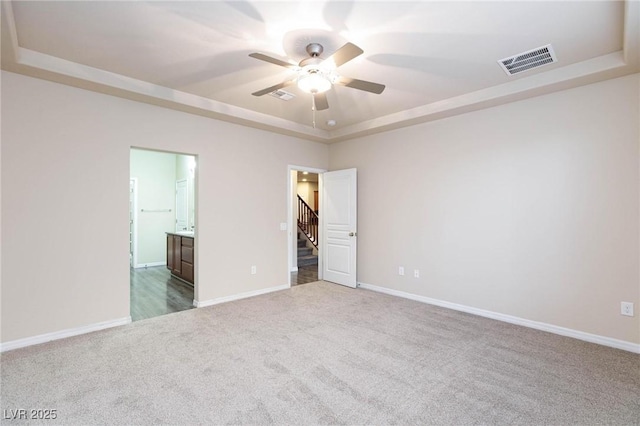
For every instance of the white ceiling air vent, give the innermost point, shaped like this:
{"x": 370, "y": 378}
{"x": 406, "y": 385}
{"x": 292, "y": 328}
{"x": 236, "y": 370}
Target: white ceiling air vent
{"x": 528, "y": 60}
{"x": 281, "y": 94}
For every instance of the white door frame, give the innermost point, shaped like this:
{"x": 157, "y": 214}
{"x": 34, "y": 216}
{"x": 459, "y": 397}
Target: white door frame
{"x": 292, "y": 225}
{"x": 196, "y": 205}
{"x": 134, "y": 224}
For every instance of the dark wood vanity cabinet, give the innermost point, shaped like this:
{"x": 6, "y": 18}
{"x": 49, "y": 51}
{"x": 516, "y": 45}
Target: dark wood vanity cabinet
{"x": 180, "y": 256}
{"x": 186, "y": 259}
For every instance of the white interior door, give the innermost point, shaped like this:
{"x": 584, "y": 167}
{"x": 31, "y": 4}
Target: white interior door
{"x": 182, "y": 205}
{"x": 339, "y": 225}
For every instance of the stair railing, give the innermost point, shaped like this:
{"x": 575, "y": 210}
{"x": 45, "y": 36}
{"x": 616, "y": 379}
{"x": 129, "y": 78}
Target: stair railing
{"x": 308, "y": 221}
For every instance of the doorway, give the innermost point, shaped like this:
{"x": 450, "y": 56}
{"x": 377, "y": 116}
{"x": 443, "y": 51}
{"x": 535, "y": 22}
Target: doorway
{"x": 305, "y": 256}
{"x": 337, "y": 224}
{"x": 162, "y": 205}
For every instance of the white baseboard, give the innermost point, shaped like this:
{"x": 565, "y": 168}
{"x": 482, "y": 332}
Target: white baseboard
{"x": 568, "y": 332}
{"x": 56, "y": 335}
{"x": 217, "y": 301}
{"x": 144, "y": 265}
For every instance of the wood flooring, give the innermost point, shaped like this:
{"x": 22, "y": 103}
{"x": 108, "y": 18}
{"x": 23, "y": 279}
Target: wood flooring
{"x": 155, "y": 292}
{"x": 305, "y": 275}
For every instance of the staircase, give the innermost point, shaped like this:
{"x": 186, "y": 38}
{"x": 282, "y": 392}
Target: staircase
{"x": 305, "y": 254}
{"x": 307, "y": 234}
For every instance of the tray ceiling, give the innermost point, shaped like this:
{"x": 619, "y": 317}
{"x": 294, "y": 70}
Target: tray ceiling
{"x": 435, "y": 58}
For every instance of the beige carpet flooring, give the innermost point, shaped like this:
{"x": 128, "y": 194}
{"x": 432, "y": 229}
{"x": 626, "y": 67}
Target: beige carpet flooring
{"x": 323, "y": 354}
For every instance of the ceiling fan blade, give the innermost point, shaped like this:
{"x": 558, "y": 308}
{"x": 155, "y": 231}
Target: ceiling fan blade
{"x": 345, "y": 54}
{"x": 275, "y": 61}
{"x": 367, "y": 86}
{"x": 320, "y": 100}
{"x": 273, "y": 88}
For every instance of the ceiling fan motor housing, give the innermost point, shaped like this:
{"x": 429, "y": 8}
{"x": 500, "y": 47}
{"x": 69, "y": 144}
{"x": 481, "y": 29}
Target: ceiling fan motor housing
{"x": 314, "y": 49}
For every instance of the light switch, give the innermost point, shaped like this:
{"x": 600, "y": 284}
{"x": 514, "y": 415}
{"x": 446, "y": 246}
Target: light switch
{"x": 283, "y": 226}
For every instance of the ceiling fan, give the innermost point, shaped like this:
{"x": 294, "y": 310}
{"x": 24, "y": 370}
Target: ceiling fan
{"x": 316, "y": 75}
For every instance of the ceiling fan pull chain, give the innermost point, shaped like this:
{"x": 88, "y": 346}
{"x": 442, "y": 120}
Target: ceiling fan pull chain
{"x": 313, "y": 109}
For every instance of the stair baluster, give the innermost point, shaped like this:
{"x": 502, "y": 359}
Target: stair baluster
{"x": 308, "y": 221}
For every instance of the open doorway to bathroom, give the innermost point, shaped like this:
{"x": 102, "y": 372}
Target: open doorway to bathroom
{"x": 162, "y": 233}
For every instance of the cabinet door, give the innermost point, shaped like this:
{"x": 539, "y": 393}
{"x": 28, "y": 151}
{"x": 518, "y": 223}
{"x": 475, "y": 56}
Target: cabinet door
{"x": 187, "y": 254}
{"x": 177, "y": 254}
{"x": 187, "y": 272}
{"x": 170, "y": 252}
{"x": 187, "y": 259}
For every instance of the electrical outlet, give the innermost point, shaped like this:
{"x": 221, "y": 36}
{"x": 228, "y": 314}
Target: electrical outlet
{"x": 626, "y": 308}
{"x": 416, "y": 273}
{"x": 401, "y": 270}
{"x": 254, "y": 270}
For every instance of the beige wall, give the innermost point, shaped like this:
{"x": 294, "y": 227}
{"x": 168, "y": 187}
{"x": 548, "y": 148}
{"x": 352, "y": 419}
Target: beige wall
{"x": 529, "y": 209}
{"x": 65, "y": 174}
{"x": 306, "y": 190}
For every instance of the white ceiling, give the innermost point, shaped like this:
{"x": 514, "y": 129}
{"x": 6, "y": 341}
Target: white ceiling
{"x": 435, "y": 58}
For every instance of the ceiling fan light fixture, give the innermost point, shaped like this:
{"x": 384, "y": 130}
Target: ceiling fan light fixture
{"x": 314, "y": 82}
